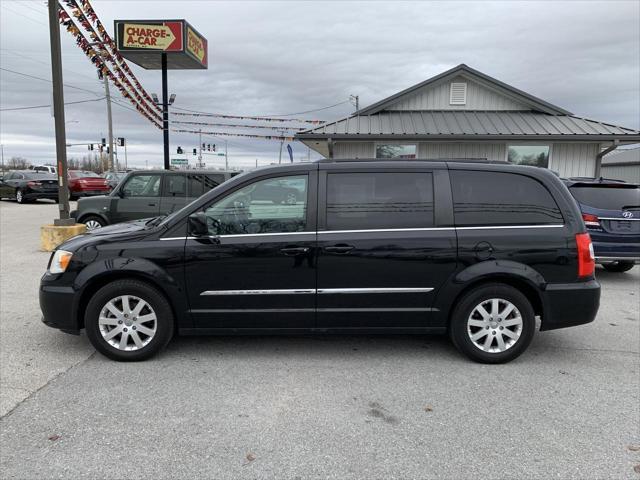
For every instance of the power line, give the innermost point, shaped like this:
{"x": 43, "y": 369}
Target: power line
{"x": 23, "y": 15}
{"x": 46, "y": 80}
{"x": 44, "y": 106}
{"x": 279, "y": 115}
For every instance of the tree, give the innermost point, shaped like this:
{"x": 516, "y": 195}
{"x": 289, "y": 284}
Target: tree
{"x": 17, "y": 163}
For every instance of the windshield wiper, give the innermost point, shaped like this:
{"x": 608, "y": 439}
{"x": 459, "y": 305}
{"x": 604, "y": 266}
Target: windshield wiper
{"x": 155, "y": 221}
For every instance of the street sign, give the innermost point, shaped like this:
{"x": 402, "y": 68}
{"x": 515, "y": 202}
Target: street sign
{"x": 179, "y": 161}
{"x": 143, "y": 42}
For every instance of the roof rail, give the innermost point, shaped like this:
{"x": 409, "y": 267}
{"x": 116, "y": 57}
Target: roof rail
{"x": 462, "y": 160}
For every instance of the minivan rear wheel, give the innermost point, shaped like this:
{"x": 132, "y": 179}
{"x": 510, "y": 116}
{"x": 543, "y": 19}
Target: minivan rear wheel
{"x": 128, "y": 320}
{"x": 493, "y": 323}
{"x": 618, "y": 267}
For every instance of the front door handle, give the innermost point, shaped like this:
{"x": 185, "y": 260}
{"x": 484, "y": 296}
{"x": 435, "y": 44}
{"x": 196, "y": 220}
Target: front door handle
{"x": 152, "y": 204}
{"x": 294, "y": 251}
{"x": 339, "y": 248}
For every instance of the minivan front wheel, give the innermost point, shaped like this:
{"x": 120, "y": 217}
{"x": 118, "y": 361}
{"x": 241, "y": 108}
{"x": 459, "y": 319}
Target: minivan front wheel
{"x": 128, "y": 320}
{"x": 493, "y": 323}
{"x": 93, "y": 221}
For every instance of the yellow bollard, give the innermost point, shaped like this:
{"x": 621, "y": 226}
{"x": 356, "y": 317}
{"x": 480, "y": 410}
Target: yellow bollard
{"x": 53, "y": 235}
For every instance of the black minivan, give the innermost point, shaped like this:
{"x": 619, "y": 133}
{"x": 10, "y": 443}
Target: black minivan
{"x": 475, "y": 250}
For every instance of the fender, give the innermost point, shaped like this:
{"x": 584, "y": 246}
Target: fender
{"x": 132, "y": 267}
{"x": 483, "y": 271}
{"x": 92, "y": 212}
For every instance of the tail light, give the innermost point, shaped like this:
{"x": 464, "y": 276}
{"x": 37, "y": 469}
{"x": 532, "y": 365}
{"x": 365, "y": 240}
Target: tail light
{"x": 591, "y": 220}
{"x": 34, "y": 184}
{"x": 586, "y": 258}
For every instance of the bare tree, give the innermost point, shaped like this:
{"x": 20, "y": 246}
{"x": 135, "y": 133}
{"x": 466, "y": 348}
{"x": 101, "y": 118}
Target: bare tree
{"x": 17, "y": 163}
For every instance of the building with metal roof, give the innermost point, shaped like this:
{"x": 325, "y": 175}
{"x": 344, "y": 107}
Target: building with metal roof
{"x": 623, "y": 164}
{"x": 464, "y": 113}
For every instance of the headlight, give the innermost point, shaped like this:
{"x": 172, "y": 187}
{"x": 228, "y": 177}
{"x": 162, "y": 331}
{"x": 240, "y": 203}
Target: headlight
{"x": 60, "y": 261}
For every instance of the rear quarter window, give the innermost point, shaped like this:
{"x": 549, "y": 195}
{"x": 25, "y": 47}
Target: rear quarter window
{"x": 499, "y": 198}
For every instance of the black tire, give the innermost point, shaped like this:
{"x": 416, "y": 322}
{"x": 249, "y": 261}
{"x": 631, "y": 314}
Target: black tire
{"x": 155, "y": 299}
{"x": 93, "y": 218}
{"x": 618, "y": 267}
{"x": 459, "y": 331}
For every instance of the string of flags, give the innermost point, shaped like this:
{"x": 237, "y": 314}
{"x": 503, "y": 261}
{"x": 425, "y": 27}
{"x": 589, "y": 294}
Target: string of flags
{"x": 91, "y": 14}
{"x": 232, "y": 125}
{"x": 244, "y": 117}
{"x": 244, "y": 135}
{"x": 96, "y": 59}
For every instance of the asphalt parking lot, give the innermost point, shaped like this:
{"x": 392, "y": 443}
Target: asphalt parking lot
{"x": 321, "y": 407}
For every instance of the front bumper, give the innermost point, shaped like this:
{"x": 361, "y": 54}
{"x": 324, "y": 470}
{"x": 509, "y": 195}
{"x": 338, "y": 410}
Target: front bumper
{"x": 58, "y": 306}
{"x": 570, "y": 304}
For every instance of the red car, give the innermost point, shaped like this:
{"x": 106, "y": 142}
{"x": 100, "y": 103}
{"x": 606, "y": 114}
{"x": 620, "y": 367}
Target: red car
{"x": 85, "y": 184}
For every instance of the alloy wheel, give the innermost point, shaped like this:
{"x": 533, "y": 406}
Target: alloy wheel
{"x": 495, "y": 325}
{"x": 127, "y": 323}
{"x": 92, "y": 225}
{"x": 19, "y": 197}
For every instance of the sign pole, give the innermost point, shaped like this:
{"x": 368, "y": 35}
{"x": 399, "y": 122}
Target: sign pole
{"x": 165, "y": 111}
{"x": 58, "y": 112}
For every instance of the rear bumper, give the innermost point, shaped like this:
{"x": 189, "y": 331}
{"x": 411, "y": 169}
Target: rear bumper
{"x": 89, "y": 193}
{"x": 37, "y": 195}
{"x": 615, "y": 248}
{"x": 58, "y": 307}
{"x": 570, "y": 304}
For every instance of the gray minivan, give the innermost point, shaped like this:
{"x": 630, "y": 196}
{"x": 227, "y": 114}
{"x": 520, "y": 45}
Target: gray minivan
{"x": 146, "y": 194}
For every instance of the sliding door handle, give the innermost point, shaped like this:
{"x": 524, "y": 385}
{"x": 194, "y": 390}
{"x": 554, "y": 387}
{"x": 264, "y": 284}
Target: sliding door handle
{"x": 293, "y": 251}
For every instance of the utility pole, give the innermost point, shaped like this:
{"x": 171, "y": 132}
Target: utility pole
{"x": 355, "y": 99}
{"x": 200, "y": 148}
{"x": 226, "y": 157}
{"x": 281, "y": 145}
{"x": 58, "y": 112}
{"x": 109, "y": 120}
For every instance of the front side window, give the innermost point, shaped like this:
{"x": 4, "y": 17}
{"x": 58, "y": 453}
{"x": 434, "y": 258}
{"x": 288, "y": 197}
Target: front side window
{"x": 496, "y": 198}
{"x": 396, "y": 150}
{"x": 365, "y": 201}
{"x": 142, "y": 186}
{"x": 535, "y": 155}
{"x": 265, "y": 206}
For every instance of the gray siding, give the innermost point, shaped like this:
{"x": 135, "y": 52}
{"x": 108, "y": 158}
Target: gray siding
{"x": 437, "y": 98}
{"x": 489, "y": 151}
{"x": 353, "y": 150}
{"x": 629, "y": 173}
{"x": 574, "y": 159}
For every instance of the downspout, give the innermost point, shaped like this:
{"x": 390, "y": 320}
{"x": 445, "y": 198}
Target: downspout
{"x": 599, "y": 156}
{"x": 330, "y": 146}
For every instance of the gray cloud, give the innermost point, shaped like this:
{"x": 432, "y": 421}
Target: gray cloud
{"x": 271, "y": 58}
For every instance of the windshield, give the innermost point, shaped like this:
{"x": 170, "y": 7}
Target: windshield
{"x": 607, "y": 197}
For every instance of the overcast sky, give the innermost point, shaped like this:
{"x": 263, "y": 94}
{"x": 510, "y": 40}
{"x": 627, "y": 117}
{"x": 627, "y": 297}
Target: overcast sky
{"x": 272, "y": 58}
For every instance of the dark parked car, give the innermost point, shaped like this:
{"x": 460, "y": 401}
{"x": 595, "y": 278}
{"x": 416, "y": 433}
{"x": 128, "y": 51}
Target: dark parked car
{"x": 611, "y": 212}
{"x": 28, "y": 185}
{"x": 474, "y": 250}
{"x": 113, "y": 178}
{"x": 85, "y": 184}
{"x": 146, "y": 194}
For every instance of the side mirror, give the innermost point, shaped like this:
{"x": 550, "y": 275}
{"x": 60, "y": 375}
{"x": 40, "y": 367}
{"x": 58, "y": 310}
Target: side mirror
{"x": 198, "y": 225}
{"x": 121, "y": 193}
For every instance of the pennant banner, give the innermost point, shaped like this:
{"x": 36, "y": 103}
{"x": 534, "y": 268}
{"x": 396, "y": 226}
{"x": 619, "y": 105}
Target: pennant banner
{"x": 103, "y": 69}
{"x": 245, "y": 135}
{"x": 241, "y": 117}
{"x": 232, "y": 125}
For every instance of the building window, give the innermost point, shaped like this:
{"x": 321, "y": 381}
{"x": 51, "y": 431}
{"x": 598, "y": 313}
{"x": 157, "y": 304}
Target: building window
{"x": 396, "y": 150}
{"x": 536, "y": 155}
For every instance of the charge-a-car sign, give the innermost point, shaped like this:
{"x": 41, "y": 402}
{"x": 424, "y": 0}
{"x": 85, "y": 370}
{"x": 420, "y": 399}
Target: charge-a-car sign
{"x": 147, "y": 42}
{"x": 166, "y": 37}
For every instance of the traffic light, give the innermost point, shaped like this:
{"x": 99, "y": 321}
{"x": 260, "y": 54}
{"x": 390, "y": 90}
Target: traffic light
{"x": 204, "y": 146}
{"x": 104, "y": 142}
{"x": 90, "y": 146}
{"x": 195, "y": 151}
{"x": 213, "y": 148}
{"x": 120, "y": 141}
{"x": 180, "y": 150}
{"x": 208, "y": 147}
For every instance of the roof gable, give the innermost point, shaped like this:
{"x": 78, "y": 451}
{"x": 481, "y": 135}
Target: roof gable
{"x": 510, "y": 95}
